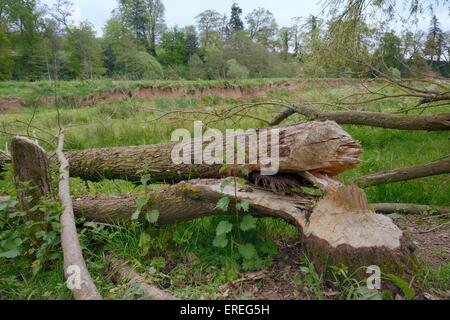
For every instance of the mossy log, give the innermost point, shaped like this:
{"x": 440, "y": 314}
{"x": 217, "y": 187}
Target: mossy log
{"x": 339, "y": 228}
{"x": 322, "y": 147}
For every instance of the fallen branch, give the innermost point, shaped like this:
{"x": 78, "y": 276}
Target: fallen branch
{"x": 404, "y": 174}
{"x": 440, "y": 122}
{"x": 74, "y": 264}
{"x": 406, "y": 208}
{"x": 124, "y": 273}
{"x": 338, "y": 229}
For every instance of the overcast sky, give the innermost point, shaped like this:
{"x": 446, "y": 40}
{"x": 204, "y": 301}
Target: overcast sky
{"x": 182, "y": 13}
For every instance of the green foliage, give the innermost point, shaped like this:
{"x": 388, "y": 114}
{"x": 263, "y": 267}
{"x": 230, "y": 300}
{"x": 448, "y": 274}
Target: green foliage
{"x": 7, "y": 61}
{"x": 196, "y": 68}
{"x": 83, "y": 52}
{"x": 235, "y": 70}
{"x": 21, "y": 237}
{"x": 172, "y": 50}
{"x": 409, "y": 292}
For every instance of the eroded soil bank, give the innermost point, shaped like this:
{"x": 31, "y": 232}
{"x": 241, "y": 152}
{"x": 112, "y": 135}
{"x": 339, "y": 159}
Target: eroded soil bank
{"x": 149, "y": 92}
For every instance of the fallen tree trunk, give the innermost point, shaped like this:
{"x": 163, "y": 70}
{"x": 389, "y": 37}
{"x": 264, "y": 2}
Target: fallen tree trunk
{"x": 407, "y": 208}
{"x": 440, "y": 122}
{"x": 322, "y": 147}
{"x": 337, "y": 229}
{"x": 74, "y": 265}
{"x": 124, "y": 273}
{"x": 404, "y": 174}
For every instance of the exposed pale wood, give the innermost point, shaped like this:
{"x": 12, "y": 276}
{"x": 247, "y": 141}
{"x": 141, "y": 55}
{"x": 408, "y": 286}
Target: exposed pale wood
{"x": 340, "y": 226}
{"x": 31, "y": 173}
{"x": 408, "y": 208}
{"x": 69, "y": 238}
{"x": 404, "y": 174}
{"x": 124, "y": 273}
{"x": 440, "y": 122}
{"x": 322, "y": 147}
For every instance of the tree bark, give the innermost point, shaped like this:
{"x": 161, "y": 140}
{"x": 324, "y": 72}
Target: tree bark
{"x": 124, "y": 273}
{"x": 339, "y": 228}
{"x": 73, "y": 257}
{"x": 5, "y": 158}
{"x": 404, "y": 174}
{"x": 406, "y": 208}
{"x": 314, "y": 146}
{"x": 31, "y": 173}
{"x": 440, "y": 122}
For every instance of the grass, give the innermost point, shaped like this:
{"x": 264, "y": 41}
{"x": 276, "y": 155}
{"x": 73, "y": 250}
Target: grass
{"x": 181, "y": 258}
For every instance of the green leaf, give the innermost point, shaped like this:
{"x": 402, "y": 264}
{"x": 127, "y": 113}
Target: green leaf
{"x": 140, "y": 204}
{"x": 152, "y": 216}
{"x": 248, "y": 223}
{"x": 11, "y": 248}
{"x": 145, "y": 179}
{"x": 10, "y": 254}
{"x": 243, "y": 206}
{"x": 223, "y": 228}
{"x": 225, "y": 184}
{"x": 247, "y": 251}
{"x": 220, "y": 241}
{"x": 223, "y": 204}
{"x": 403, "y": 285}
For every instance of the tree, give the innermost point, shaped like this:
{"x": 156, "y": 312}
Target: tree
{"x": 389, "y": 52}
{"x": 196, "y": 68}
{"x": 262, "y": 26}
{"x": 435, "y": 41}
{"x": 209, "y": 24}
{"x": 125, "y": 58}
{"x": 145, "y": 18}
{"x": 285, "y": 36}
{"x": 235, "y": 24}
{"x": 172, "y": 50}
{"x": 235, "y": 70}
{"x": 7, "y": 62}
{"x": 84, "y": 54}
{"x": 190, "y": 43}
{"x": 20, "y": 21}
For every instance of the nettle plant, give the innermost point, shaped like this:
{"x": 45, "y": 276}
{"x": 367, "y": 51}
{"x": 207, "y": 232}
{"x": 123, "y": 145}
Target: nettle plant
{"x": 229, "y": 234}
{"x": 25, "y": 237}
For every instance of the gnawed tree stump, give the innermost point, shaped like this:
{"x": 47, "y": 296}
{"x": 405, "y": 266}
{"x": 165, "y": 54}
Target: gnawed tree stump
{"x": 31, "y": 172}
{"x": 337, "y": 229}
{"x": 322, "y": 147}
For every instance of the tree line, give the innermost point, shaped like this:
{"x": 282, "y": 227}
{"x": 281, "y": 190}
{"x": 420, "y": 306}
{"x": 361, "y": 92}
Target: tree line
{"x": 38, "y": 42}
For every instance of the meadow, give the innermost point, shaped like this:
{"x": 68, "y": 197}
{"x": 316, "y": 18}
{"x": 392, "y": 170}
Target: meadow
{"x": 181, "y": 258}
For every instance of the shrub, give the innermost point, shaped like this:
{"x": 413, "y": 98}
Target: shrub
{"x": 235, "y": 70}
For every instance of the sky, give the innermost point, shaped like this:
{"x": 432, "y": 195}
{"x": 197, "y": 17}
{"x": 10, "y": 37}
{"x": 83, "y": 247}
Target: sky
{"x": 182, "y": 13}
